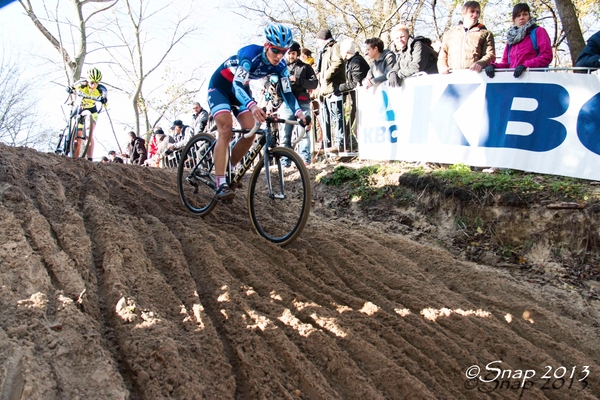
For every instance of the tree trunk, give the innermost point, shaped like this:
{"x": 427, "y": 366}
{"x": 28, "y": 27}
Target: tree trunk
{"x": 570, "y": 23}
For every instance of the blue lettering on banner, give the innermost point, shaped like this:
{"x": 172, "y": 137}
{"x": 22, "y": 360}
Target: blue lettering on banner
{"x": 553, "y": 101}
{"x": 588, "y": 124}
{"x": 441, "y": 115}
{"x": 381, "y": 134}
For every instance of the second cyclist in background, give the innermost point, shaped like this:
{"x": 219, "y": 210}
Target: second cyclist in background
{"x": 229, "y": 86}
{"x": 91, "y": 87}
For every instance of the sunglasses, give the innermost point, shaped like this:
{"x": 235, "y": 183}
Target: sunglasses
{"x": 278, "y": 50}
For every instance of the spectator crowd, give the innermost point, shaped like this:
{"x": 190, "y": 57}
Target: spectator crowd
{"x": 324, "y": 81}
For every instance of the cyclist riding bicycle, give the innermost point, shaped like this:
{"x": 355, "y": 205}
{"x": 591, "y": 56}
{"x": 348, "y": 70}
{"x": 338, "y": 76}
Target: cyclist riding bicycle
{"x": 90, "y": 87}
{"x": 229, "y": 86}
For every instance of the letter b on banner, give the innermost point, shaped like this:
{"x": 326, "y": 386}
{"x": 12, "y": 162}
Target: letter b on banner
{"x": 552, "y": 100}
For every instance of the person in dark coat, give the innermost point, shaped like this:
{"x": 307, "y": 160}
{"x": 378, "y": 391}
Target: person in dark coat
{"x": 413, "y": 55}
{"x": 357, "y": 69}
{"x": 136, "y": 149}
{"x": 590, "y": 55}
{"x": 382, "y": 62}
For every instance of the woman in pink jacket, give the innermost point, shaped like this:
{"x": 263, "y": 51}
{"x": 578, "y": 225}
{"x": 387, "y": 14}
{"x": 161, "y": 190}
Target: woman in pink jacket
{"x": 527, "y": 45}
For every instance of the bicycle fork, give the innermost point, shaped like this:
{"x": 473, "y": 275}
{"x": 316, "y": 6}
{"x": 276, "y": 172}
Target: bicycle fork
{"x": 267, "y": 161}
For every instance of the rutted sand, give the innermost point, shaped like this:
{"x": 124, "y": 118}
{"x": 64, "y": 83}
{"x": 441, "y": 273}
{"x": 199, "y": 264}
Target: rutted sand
{"x": 111, "y": 289}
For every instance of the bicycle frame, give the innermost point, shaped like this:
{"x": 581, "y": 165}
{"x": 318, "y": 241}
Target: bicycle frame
{"x": 234, "y": 179}
{"x": 266, "y": 136}
{"x": 278, "y": 190}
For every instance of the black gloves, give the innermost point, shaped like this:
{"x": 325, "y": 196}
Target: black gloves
{"x": 69, "y": 89}
{"x": 103, "y": 100}
{"x": 336, "y": 91}
{"x": 519, "y": 70}
{"x": 490, "y": 71}
{"x": 394, "y": 80}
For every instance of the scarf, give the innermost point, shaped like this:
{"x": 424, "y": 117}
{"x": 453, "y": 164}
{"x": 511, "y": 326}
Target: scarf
{"x": 515, "y": 34}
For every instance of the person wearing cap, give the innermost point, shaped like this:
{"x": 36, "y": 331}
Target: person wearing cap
{"x": 331, "y": 73}
{"x": 181, "y": 134}
{"x": 303, "y": 79}
{"x": 229, "y": 86}
{"x": 357, "y": 69}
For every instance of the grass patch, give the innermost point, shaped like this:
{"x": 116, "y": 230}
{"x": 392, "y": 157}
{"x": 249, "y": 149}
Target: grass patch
{"x": 369, "y": 183}
{"x": 526, "y": 185}
{"x": 361, "y": 182}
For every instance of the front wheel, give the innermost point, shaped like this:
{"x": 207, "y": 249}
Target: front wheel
{"x": 80, "y": 138}
{"x": 196, "y": 174}
{"x": 280, "y": 215}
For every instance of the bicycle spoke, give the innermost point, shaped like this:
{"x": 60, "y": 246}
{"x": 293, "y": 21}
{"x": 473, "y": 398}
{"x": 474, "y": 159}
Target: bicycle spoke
{"x": 280, "y": 214}
{"x": 195, "y": 175}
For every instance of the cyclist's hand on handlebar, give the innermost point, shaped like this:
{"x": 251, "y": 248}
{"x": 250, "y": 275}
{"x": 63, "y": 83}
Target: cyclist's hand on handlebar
{"x": 103, "y": 100}
{"x": 69, "y": 89}
{"x": 258, "y": 113}
{"x": 304, "y": 120}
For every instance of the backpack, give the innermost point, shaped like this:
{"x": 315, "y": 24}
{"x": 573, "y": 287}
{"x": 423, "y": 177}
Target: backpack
{"x": 533, "y": 37}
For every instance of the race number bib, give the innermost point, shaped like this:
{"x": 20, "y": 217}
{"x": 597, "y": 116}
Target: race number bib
{"x": 241, "y": 75}
{"x": 285, "y": 85}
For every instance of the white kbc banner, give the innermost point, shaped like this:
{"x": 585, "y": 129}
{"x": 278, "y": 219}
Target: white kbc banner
{"x": 544, "y": 122}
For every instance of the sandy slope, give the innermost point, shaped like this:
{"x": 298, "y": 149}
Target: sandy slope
{"x": 111, "y": 289}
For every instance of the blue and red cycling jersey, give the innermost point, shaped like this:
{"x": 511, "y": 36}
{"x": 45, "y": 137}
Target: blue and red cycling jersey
{"x": 229, "y": 85}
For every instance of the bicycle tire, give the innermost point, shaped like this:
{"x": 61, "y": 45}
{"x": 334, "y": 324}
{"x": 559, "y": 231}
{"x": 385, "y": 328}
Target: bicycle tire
{"x": 63, "y": 146}
{"x": 84, "y": 142}
{"x": 72, "y": 136}
{"x": 280, "y": 218}
{"x": 197, "y": 185}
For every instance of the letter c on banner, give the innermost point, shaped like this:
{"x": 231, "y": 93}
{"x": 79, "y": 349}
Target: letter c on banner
{"x": 588, "y": 124}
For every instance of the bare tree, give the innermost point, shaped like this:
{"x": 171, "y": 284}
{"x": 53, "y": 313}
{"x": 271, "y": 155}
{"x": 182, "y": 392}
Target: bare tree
{"x": 19, "y": 116}
{"x": 76, "y": 30}
{"x": 570, "y": 25}
{"x": 175, "y": 96}
{"x": 143, "y": 50}
{"x": 347, "y": 18}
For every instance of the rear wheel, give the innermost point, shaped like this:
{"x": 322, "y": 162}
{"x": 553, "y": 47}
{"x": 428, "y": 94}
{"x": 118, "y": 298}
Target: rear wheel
{"x": 281, "y": 215}
{"x": 196, "y": 174}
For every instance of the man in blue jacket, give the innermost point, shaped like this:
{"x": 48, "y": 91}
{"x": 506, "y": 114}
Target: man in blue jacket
{"x": 590, "y": 55}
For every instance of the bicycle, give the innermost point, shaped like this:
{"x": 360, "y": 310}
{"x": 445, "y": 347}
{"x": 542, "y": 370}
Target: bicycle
{"x": 77, "y": 122}
{"x": 278, "y": 197}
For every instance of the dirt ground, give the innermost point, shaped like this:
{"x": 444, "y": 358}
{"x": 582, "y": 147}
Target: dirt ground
{"x": 111, "y": 289}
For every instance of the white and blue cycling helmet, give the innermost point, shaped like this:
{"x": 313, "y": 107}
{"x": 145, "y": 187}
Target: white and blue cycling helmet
{"x": 279, "y": 35}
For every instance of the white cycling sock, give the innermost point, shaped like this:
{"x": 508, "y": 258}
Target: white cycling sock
{"x": 221, "y": 180}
